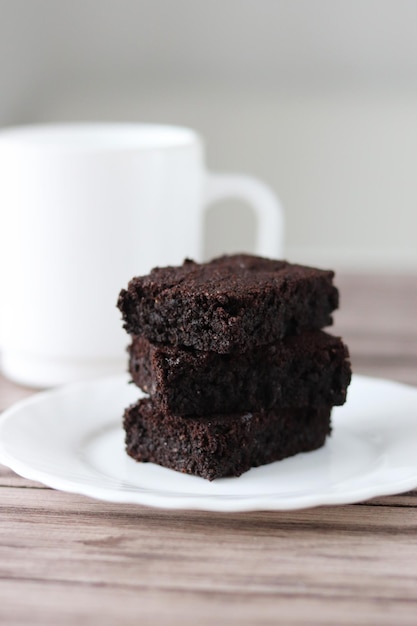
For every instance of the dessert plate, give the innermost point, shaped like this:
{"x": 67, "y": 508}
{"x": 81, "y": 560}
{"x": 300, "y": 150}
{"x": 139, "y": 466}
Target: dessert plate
{"x": 72, "y": 439}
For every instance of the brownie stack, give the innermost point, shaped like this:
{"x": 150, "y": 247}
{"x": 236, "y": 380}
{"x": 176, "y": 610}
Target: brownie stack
{"x": 237, "y": 368}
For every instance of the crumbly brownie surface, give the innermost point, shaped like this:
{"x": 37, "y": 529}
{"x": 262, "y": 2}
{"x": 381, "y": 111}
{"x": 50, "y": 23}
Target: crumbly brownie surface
{"x": 232, "y": 303}
{"x": 311, "y": 369}
{"x": 217, "y": 446}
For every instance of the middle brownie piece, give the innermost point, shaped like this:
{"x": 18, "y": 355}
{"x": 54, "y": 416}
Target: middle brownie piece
{"x": 310, "y": 369}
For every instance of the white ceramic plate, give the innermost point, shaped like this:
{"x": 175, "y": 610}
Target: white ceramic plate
{"x": 71, "y": 439}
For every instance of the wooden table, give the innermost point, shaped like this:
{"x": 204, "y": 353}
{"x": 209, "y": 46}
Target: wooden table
{"x": 66, "y": 559}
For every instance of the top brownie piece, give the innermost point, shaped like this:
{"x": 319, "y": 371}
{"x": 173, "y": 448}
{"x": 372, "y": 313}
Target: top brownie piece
{"x": 233, "y": 303}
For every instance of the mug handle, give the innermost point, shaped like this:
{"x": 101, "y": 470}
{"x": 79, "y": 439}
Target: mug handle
{"x": 270, "y": 240}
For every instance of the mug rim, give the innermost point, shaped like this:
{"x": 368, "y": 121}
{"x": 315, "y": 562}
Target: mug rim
{"x": 99, "y": 136}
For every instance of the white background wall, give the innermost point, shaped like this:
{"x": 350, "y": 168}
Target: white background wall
{"x": 317, "y": 97}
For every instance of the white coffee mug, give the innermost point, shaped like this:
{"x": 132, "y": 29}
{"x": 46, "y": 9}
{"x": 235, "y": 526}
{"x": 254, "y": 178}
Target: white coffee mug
{"x": 84, "y": 207}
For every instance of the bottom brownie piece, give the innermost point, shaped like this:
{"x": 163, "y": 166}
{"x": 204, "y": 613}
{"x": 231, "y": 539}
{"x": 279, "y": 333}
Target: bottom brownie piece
{"x": 222, "y": 445}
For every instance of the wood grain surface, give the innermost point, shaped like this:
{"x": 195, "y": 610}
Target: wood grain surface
{"x": 66, "y": 559}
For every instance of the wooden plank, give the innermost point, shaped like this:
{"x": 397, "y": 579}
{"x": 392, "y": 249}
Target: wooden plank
{"x": 68, "y": 549}
{"x": 70, "y": 605}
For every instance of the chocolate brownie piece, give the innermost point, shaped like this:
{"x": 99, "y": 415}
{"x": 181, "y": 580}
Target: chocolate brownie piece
{"x": 232, "y": 303}
{"x": 311, "y": 369}
{"x": 222, "y": 445}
